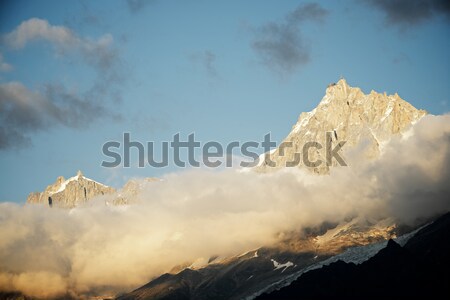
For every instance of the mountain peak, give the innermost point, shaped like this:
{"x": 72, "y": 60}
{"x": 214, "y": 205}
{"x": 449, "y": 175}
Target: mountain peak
{"x": 70, "y": 192}
{"x": 60, "y": 179}
{"x": 342, "y": 83}
{"x": 336, "y": 93}
{"x": 353, "y": 117}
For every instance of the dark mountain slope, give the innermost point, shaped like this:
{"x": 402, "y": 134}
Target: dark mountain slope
{"x": 419, "y": 269}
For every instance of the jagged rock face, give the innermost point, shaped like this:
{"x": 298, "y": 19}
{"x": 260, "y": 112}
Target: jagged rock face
{"x": 71, "y": 192}
{"x": 130, "y": 191}
{"x": 349, "y": 115}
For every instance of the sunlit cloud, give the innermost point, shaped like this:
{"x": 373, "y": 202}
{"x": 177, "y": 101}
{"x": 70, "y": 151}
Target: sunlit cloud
{"x": 196, "y": 214}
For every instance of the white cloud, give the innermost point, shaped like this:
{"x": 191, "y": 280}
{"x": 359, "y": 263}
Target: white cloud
{"x": 35, "y": 29}
{"x": 96, "y": 52}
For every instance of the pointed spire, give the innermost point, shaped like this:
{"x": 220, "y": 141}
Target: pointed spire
{"x": 337, "y": 90}
{"x": 60, "y": 179}
{"x": 79, "y": 173}
{"x": 342, "y": 82}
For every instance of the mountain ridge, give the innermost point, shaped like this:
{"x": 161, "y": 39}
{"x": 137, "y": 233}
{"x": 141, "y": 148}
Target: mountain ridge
{"x": 417, "y": 269}
{"x": 78, "y": 189}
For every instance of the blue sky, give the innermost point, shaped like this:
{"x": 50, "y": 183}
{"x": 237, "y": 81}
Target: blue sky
{"x": 228, "y": 70}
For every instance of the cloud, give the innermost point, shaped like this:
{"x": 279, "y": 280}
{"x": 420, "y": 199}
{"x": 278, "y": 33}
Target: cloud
{"x": 307, "y": 12}
{"x": 43, "y": 284}
{"x": 87, "y": 16}
{"x": 191, "y": 216}
{"x": 26, "y": 111}
{"x": 35, "y": 29}
{"x": 19, "y": 112}
{"x": 137, "y": 5}
{"x": 402, "y": 58}
{"x": 406, "y": 13}
{"x": 207, "y": 59}
{"x": 4, "y": 67}
{"x": 97, "y": 53}
{"x": 281, "y": 46}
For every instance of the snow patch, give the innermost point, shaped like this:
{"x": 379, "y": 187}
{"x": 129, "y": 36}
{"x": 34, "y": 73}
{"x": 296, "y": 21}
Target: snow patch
{"x": 64, "y": 184}
{"x": 255, "y": 255}
{"x": 389, "y": 109}
{"x": 304, "y": 121}
{"x": 198, "y": 264}
{"x": 284, "y": 266}
{"x": 325, "y": 100}
{"x": 356, "y": 255}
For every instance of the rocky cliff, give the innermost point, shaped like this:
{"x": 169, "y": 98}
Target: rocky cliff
{"x": 71, "y": 192}
{"x": 349, "y": 115}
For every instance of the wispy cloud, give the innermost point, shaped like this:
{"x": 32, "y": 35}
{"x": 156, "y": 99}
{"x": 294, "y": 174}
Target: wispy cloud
{"x": 25, "y": 111}
{"x": 404, "y": 13}
{"x": 207, "y": 60}
{"x": 280, "y": 45}
{"x": 137, "y": 5}
{"x": 4, "y": 66}
{"x": 402, "y": 58}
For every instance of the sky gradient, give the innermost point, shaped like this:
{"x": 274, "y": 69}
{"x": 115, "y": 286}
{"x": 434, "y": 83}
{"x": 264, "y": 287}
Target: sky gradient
{"x": 76, "y": 74}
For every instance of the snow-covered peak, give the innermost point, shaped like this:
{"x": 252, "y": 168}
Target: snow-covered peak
{"x": 70, "y": 192}
{"x": 61, "y": 186}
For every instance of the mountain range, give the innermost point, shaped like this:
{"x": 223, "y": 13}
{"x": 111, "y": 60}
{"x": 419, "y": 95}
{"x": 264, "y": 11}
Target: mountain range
{"x": 345, "y": 112}
{"x": 333, "y": 254}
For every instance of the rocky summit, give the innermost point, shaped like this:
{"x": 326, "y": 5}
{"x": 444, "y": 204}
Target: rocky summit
{"x": 71, "y": 192}
{"x": 346, "y": 114}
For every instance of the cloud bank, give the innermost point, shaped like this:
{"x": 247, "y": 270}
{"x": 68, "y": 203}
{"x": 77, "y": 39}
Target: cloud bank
{"x": 281, "y": 45}
{"x": 25, "y": 111}
{"x": 197, "y": 214}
